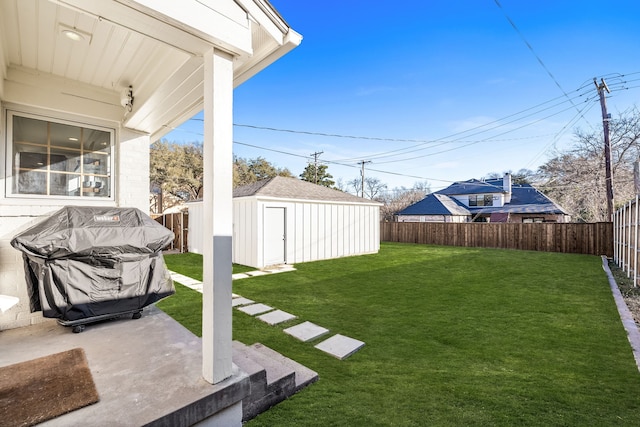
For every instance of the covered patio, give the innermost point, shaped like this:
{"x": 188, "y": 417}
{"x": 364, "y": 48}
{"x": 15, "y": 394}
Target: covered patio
{"x": 131, "y": 71}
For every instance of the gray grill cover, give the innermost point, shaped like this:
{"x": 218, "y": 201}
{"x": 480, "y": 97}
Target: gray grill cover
{"x": 84, "y": 262}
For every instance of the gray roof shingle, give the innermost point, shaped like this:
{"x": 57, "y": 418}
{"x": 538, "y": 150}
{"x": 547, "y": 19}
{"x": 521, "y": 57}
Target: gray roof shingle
{"x": 436, "y": 204}
{"x": 293, "y": 188}
{"x": 525, "y": 199}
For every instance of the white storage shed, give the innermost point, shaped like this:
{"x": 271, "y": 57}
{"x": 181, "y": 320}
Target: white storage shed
{"x": 286, "y": 221}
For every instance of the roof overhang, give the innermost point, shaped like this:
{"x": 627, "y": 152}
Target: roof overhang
{"x": 155, "y": 46}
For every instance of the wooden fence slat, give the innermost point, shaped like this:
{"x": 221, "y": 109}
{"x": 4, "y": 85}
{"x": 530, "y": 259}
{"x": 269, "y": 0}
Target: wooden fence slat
{"x": 589, "y": 238}
{"x": 178, "y": 224}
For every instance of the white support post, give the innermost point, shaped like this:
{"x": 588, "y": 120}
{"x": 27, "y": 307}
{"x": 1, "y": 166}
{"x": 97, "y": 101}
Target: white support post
{"x": 217, "y": 216}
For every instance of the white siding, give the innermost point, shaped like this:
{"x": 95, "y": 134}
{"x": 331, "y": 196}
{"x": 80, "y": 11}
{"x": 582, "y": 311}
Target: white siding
{"x": 314, "y": 230}
{"x": 433, "y": 218}
{"x": 246, "y": 226}
{"x": 194, "y": 238}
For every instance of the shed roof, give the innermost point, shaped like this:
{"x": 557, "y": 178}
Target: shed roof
{"x": 293, "y": 188}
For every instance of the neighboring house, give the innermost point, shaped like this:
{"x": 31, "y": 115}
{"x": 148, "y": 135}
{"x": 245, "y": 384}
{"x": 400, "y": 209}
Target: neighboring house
{"x": 286, "y": 221}
{"x": 435, "y": 208}
{"x": 87, "y": 85}
{"x": 492, "y": 200}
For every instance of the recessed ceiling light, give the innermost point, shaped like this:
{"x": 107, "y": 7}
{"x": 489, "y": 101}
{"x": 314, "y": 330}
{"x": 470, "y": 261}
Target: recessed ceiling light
{"x": 71, "y": 138}
{"x": 73, "y": 35}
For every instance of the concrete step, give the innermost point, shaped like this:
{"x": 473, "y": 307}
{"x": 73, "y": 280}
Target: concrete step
{"x": 257, "y": 373}
{"x": 273, "y": 377}
{"x": 303, "y": 375}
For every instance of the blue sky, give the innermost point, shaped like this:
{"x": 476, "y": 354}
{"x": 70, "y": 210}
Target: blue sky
{"x": 435, "y": 91}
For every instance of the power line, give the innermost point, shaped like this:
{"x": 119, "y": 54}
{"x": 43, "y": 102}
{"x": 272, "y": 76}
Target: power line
{"x": 526, "y": 42}
{"x": 343, "y": 164}
{"x": 474, "y": 142}
{"x": 561, "y": 132}
{"x": 420, "y": 142}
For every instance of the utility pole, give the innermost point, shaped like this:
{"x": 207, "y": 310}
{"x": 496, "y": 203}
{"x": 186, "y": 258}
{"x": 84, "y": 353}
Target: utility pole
{"x": 315, "y": 165}
{"x": 607, "y": 144}
{"x": 363, "y": 162}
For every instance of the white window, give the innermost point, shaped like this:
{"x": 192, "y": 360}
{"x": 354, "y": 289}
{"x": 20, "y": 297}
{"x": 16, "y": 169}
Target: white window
{"x": 56, "y": 158}
{"x": 481, "y": 200}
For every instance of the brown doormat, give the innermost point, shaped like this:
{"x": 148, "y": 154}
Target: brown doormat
{"x": 40, "y": 389}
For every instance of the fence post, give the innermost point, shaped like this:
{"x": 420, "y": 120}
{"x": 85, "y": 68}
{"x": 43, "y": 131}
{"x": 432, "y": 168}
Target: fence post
{"x": 635, "y": 247}
{"x": 629, "y": 241}
{"x": 623, "y": 220}
{"x": 615, "y": 240}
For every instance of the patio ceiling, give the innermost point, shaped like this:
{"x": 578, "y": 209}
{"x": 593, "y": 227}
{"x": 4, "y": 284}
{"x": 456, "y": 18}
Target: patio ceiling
{"x": 156, "y": 47}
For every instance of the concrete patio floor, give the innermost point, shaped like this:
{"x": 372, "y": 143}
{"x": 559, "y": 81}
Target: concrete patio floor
{"x": 146, "y": 371}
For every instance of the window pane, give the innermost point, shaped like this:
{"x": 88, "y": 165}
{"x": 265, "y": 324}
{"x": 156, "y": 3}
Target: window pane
{"x": 488, "y": 200}
{"x": 95, "y": 164}
{"x": 73, "y": 184}
{"x": 65, "y": 136}
{"x": 31, "y": 182}
{"x": 97, "y": 140}
{"x": 58, "y": 184}
{"x": 29, "y": 130}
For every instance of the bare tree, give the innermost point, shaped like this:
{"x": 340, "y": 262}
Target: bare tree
{"x": 400, "y": 198}
{"x": 372, "y": 187}
{"x": 576, "y": 178}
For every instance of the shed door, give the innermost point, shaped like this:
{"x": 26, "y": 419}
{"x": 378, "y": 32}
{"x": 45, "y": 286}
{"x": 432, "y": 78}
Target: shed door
{"x": 275, "y": 239}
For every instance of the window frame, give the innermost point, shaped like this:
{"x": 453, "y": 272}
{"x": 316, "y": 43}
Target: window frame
{"x": 9, "y": 169}
{"x": 484, "y": 198}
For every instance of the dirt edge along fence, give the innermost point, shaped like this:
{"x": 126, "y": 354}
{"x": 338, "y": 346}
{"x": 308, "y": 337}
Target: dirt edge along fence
{"x": 581, "y": 238}
{"x": 625, "y": 239}
{"x": 179, "y": 224}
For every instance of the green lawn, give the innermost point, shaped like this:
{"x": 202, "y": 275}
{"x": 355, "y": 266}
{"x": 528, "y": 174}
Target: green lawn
{"x": 454, "y": 336}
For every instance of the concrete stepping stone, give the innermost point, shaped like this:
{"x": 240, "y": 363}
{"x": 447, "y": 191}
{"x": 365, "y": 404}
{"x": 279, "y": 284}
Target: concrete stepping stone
{"x": 277, "y": 316}
{"x": 306, "y": 331}
{"x": 255, "y": 309}
{"x": 184, "y": 280}
{"x": 340, "y": 346}
{"x": 238, "y": 276}
{"x": 235, "y": 302}
{"x": 281, "y": 269}
{"x": 256, "y": 273}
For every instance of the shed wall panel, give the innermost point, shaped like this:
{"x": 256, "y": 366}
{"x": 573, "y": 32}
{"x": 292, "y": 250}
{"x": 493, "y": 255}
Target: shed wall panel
{"x": 245, "y": 232}
{"x": 322, "y": 237}
{"x": 313, "y": 231}
{"x": 195, "y": 224}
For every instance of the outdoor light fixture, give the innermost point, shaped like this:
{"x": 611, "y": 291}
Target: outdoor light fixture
{"x": 126, "y": 99}
{"x": 74, "y": 34}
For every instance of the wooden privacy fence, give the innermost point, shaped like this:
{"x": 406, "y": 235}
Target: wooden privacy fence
{"x": 179, "y": 224}
{"x": 625, "y": 239}
{"x": 581, "y": 238}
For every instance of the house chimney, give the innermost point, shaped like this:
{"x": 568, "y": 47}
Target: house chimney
{"x": 506, "y": 186}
